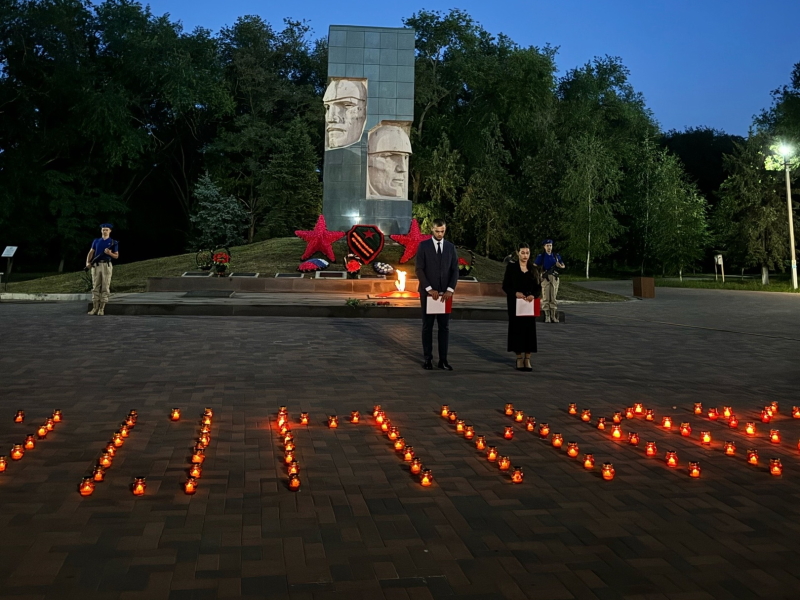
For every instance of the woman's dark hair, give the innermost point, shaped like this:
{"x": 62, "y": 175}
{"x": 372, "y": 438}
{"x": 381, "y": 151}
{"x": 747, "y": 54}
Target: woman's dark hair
{"x": 522, "y": 245}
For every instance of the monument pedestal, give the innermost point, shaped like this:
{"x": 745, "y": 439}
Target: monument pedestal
{"x": 391, "y": 215}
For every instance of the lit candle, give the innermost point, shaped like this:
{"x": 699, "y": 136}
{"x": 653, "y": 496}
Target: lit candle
{"x": 519, "y": 416}
{"x": 572, "y": 449}
{"x": 774, "y": 406}
{"x": 491, "y": 454}
{"x": 196, "y": 471}
{"x": 333, "y": 421}
{"x": 508, "y": 433}
{"x": 124, "y": 430}
{"x": 686, "y": 429}
{"x": 206, "y": 420}
{"x": 288, "y": 445}
{"x": 730, "y": 448}
{"x": 530, "y": 424}
{"x": 117, "y": 440}
{"x": 376, "y": 409}
{"x": 694, "y": 469}
{"x": 733, "y": 422}
{"x": 705, "y": 437}
{"x": 86, "y": 487}
{"x": 294, "y": 482}
{"x": 774, "y": 436}
{"x": 50, "y": 424}
{"x": 288, "y": 456}
{"x": 175, "y": 414}
{"x": 284, "y": 428}
{"x": 304, "y": 418}
{"x": 666, "y": 422}
{"x": 504, "y": 463}
{"x": 752, "y": 456}
{"x": 380, "y": 417}
{"x": 111, "y": 449}
{"x": 204, "y": 440}
{"x": 629, "y": 412}
{"x": 355, "y": 416}
{"x": 517, "y": 475}
{"x": 288, "y": 436}
{"x": 386, "y": 425}
{"x": 633, "y": 438}
{"x": 672, "y": 458}
{"x": 209, "y": 412}
{"x": 408, "y": 453}
{"x": 469, "y": 432}
{"x": 727, "y": 412}
{"x": 445, "y": 410}
{"x": 768, "y": 410}
{"x": 601, "y": 423}
{"x": 399, "y": 444}
{"x": 282, "y": 410}
{"x": 480, "y": 442}
{"x": 393, "y": 433}
{"x": 750, "y": 428}
{"x": 765, "y": 416}
{"x": 713, "y": 414}
{"x": 131, "y": 419}
{"x": 3, "y": 463}
{"x": 426, "y": 478}
{"x": 19, "y": 417}
{"x": 586, "y": 415}
{"x": 57, "y": 416}
{"x": 281, "y": 420}
{"x": 30, "y": 442}
{"x": 775, "y": 467}
{"x": 509, "y": 410}
{"x": 293, "y": 468}
{"x": 139, "y": 486}
{"x": 650, "y": 449}
{"x": 698, "y": 408}
{"x": 557, "y": 440}
{"x": 460, "y": 426}
{"x": 616, "y": 431}
{"x": 638, "y": 408}
{"x": 572, "y": 408}
{"x": 650, "y": 415}
{"x": 608, "y": 471}
{"x": 416, "y": 466}
{"x": 452, "y": 417}
{"x": 198, "y": 456}
{"x": 544, "y": 430}
{"x": 796, "y": 412}
{"x": 190, "y": 486}
{"x": 42, "y": 432}
{"x": 588, "y": 461}
{"x": 98, "y": 474}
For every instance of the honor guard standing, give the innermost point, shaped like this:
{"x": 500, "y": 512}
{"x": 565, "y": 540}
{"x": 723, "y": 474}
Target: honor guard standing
{"x": 549, "y": 262}
{"x": 103, "y": 251}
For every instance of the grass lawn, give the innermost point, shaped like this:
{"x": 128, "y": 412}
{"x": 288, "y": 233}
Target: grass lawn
{"x": 753, "y": 285}
{"x": 279, "y": 255}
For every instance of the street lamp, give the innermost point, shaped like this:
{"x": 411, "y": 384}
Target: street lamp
{"x": 786, "y": 152}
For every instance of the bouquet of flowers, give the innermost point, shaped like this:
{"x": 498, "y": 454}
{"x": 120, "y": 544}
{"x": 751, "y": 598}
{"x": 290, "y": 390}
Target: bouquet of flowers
{"x": 221, "y": 262}
{"x": 464, "y": 267}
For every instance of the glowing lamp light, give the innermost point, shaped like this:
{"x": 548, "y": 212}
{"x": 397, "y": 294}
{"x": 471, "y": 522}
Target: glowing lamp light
{"x": 175, "y": 414}
{"x": 282, "y": 420}
{"x": 209, "y": 412}
{"x": 616, "y": 432}
{"x": 572, "y": 408}
{"x": 508, "y": 433}
{"x": 294, "y": 482}
{"x": 198, "y": 456}
{"x": 796, "y": 412}
{"x": 705, "y": 437}
{"x": 282, "y": 410}
{"x": 111, "y": 449}
{"x": 633, "y": 438}
{"x": 650, "y": 449}
{"x": 98, "y": 474}
{"x": 304, "y": 418}
{"x": 586, "y": 415}
{"x": 426, "y": 478}
{"x": 408, "y": 453}
{"x": 504, "y": 463}
{"x": 190, "y": 486}
{"x": 288, "y": 456}
{"x": 752, "y": 456}
{"x": 19, "y": 417}
{"x": 588, "y": 461}
{"x": 638, "y": 408}
{"x": 288, "y": 445}
{"x": 380, "y": 417}
{"x": 452, "y": 417}
{"x": 650, "y": 415}
{"x": 557, "y": 440}
{"x": 355, "y": 416}
{"x": 775, "y": 466}
{"x": 399, "y": 444}
{"x": 287, "y": 436}
{"x": 769, "y": 411}
{"x": 393, "y": 433}
{"x": 196, "y": 471}
{"x": 50, "y": 424}
{"x": 469, "y": 432}
{"x": 671, "y": 458}
{"x": 694, "y": 469}
{"x": 131, "y": 419}
{"x": 774, "y": 406}
{"x": 774, "y": 436}
{"x": 713, "y": 414}
{"x": 206, "y": 420}
{"x": 386, "y": 425}
{"x": 601, "y": 423}
{"x": 445, "y": 410}
{"x": 139, "y": 486}
{"x": 460, "y": 425}
{"x": 3, "y": 463}
{"x": 509, "y": 410}
{"x": 86, "y": 486}
{"x": 608, "y": 471}
{"x": 284, "y": 428}
{"x": 333, "y": 421}
{"x": 617, "y": 418}
{"x": 698, "y": 408}
{"x": 572, "y": 449}
{"x": 544, "y": 430}
{"x": 293, "y": 468}
{"x": 629, "y": 413}
{"x": 205, "y": 439}
{"x": 686, "y": 429}
{"x": 376, "y": 409}
{"x": 416, "y": 466}
{"x": 117, "y": 440}
{"x": 124, "y": 430}
{"x": 750, "y": 428}
{"x": 30, "y": 442}
{"x": 480, "y": 442}
{"x": 42, "y": 432}
{"x": 491, "y": 454}
{"x": 733, "y": 422}
{"x": 58, "y": 416}
{"x": 517, "y": 476}
{"x": 727, "y": 412}
{"x": 530, "y": 424}
{"x": 765, "y": 416}
{"x": 730, "y": 448}
{"x": 666, "y": 422}
{"x": 519, "y": 416}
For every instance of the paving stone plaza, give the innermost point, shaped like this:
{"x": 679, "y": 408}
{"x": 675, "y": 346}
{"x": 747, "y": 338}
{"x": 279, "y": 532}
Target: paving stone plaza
{"x": 361, "y": 526}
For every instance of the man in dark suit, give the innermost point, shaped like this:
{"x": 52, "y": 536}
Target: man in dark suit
{"x": 437, "y": 272}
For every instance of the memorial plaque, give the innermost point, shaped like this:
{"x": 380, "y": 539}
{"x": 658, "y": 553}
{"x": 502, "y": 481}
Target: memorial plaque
{"x": 243, "y": 275}
{"x": 289, "y": 275}
{"x": 197, "y": 274}
{"x": 330, "y": 275}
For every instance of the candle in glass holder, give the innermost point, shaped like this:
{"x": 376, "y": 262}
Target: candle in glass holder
{"x": 666, "y": 422}
{"x": 288, "y": 436}
{"x": 19, "y": 417}
{"x": 616, "y": 432}
{"x": 98, "y": 474}
{"x": 288, "y": 445}
{"x": 190, "y": 486}
{"x": 774, "y": 406}
{"x": 452, "y": 417}
{"x": 30, "y": 442}
{"x": 117, "y": 440}
{"x": 281, "y": 420}
{"x": 445, "y": 410}
{"x": 175, "y": 414}
{"x": 58, "y": 416}
{"x": 380, "y": 417}
{"x": 386, "y": 425}
{"x": 288, "y": 456}
{"x": 294, "y": 482}
{"x": 727, "y": 411}
{"x": 775, "y": 466}
{"x": 460, "y": 424}
{"x": 730, "y": 448}
{"x": 650, "y": 415}
{"x": 408, "y": 453}
{"x": 601, "y": 423}
{"x": 519, "y": 416}
{"x": 694, "y": 469}
{"x": 765, "y": 416}
{"x": 586, "y": 415}
{"x": 544, "y": 430}
{"x": 124, "y": 430}
{"x": 209, "y": 412}
{"x": 132, "y": 417}
{"x": 588, "y": 461}
{"x": 284, "y": 428}
{"x": 705, "y": 437}
{"x": 333, "y": 421}
{"x": 508, "y": 433}
{"x": 733, "y": 422}
{"x": 750, "y": 428}
{"x": 509, "y": 410}
{"x": 206, "y": 420}
{"x": 491, "y": 454}
{"x": 293, "y": 468}
{"x": 426, "y": 478}
{"x": 638, "y": 408}
{"x": 355, "y": 416}
{"x": 650, "y": 449}
{"x": 617, "y": 418}
{"x": 686, "y": 429}
{"x": 530, "y": 424}
{"x": 205, "y": 439}
{"x": 671, "y": 458}
{"x": 572, "y": 449}
{"x": 416, "y": 466}
{"x": 480, "y": 442}
{"x": 633, "y": 438}
{"x": 303, "y": 418}
{"x": 50, "y": 424}
{"x": 769, "y": 411}
{"x": 469, "y": 432}
{"x": 86, "y": 486}
{"x": 111, "y": 449}
{"x": 376, "y": 409}
{"x": 517, "y": 476}
{"x": 557, "y": 440}
{"x": 399, "y": 444}
{"x": 608, "y": 471}
{"x": 796, "y": 412}
{"x": 774, "y": 436}
{"x": 393, "y": 433}
{"x": 139, "y": 486}
{"x": 572, "y": 408}
{"x": 196, "y": 471}
{"x": 713, "y": 414}
{"x": 3, "y": 463}
{"x": 629, "y": 413}
{"x": 752, "y": 456}
{"x": 42, "y": 432}
{"x": 504, "y": 463}
{"x": 198, "y": 456}
{"x": 698, "y": 408}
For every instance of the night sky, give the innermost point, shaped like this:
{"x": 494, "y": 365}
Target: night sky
{"x": 698, "y": 63}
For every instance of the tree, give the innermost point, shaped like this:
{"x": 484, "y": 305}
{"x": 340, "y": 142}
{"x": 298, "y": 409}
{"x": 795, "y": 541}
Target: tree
{"x": 442, "y": 176}
{"x": 218, "y": 220}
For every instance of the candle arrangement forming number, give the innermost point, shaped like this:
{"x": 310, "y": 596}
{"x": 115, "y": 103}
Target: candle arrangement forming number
{"x": 87, "y": 485}
{"x": 18, "y": 450}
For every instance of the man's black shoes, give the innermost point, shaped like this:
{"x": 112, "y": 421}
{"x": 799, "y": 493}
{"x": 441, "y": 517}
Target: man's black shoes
{"x": 443, "y": 364}
{"x": 428, "y": 365}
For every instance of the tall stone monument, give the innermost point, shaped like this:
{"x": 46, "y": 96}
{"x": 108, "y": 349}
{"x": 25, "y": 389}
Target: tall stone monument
{"x": 369, "y": 109}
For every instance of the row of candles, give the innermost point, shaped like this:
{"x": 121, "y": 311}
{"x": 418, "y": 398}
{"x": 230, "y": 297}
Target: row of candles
{"x": 199, "y": 450}
{"x": 400, "y": 446}
{"x": 87, "y": 484}
{"x": 671, "y": 456}
{"x": 18, "y": 450}
{"x": 492, "y": 455}
{"x": 287, "y": 438}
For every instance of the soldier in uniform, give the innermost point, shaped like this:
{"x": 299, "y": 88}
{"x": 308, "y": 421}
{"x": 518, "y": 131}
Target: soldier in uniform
{"x": 103, "y": 251}
{"x": 548, "y": 262}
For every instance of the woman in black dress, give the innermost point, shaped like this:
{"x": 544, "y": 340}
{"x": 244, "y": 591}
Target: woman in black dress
{"x": 522, "y": 280}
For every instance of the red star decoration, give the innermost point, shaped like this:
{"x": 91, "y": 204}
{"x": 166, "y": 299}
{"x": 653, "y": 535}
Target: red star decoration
{"x": 411, "y": 241}
{"x": 319, "y": 240}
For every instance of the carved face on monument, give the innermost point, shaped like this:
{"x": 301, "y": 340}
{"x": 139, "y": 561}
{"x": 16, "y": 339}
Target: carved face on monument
{"x": 345, "y": 112}
{"x": 387, "y": 162}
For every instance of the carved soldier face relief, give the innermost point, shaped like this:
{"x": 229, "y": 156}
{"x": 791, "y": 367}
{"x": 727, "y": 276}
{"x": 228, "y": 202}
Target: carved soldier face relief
{"x": 345, "y": 112}
{"x": 387, "y": 162}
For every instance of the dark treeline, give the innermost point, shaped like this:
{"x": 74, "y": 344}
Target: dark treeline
{"x": 110, "y": 112}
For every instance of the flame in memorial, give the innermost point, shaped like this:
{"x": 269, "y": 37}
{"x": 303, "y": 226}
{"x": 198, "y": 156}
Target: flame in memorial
{"x": 400, "y": 284}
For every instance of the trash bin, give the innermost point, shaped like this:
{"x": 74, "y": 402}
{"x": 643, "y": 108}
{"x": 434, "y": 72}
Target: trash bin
{"x": 644, "y": 287}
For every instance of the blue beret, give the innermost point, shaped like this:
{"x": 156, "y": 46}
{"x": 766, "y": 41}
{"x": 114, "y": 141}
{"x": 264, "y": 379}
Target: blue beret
{"x": 544, "y": 243}
{"x": 109, "y": 225}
